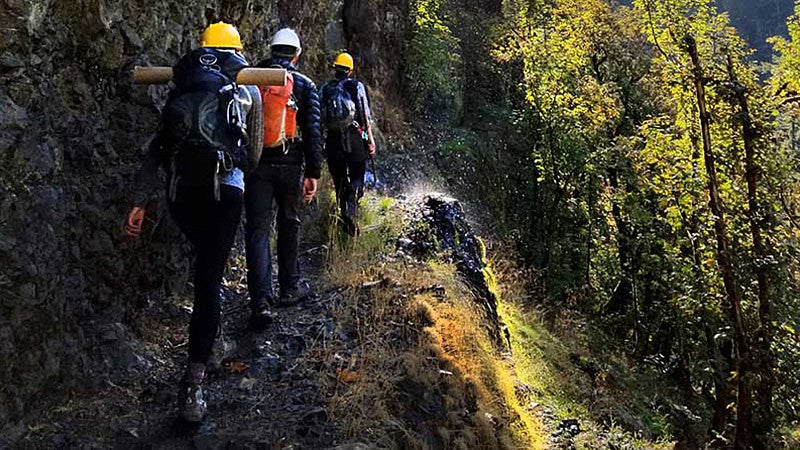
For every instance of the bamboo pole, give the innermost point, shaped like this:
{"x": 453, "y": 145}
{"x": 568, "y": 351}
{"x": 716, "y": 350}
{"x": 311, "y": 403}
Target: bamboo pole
{"x": 248, "y": 76}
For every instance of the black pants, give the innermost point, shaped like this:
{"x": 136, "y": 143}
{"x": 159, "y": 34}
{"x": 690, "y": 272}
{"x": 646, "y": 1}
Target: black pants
{"x": 272, "y": 184}
{"x": 211, "y": 227}
{"x": 348, "y": 179}
{"x": 347, "y": 162}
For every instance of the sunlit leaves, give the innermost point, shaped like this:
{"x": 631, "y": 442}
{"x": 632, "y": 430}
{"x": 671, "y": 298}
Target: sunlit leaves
{"x": 616, "y": 156}
{"x": 433, "y": 60}
{"x": 565, "y": 48}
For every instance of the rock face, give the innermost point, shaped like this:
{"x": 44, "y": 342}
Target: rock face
{"x": 443, "y": 227}
{"x": 72, "y": 131}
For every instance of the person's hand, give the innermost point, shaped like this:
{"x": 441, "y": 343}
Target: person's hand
{"x": 309, "y": 188}
{"x": 133, "y": 227}
{"x": 372, "y": 148}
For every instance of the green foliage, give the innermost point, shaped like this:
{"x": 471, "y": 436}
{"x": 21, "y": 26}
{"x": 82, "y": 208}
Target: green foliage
{"x": 679, "y": 177}
{"x": 787, "y": 73}
{"x": 433, "y": 63}
{"x": 582, "y": 64}
{"x": 600, "y": 177}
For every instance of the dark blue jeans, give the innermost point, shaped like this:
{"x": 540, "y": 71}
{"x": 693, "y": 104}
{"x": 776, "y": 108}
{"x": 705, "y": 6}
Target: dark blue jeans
{"x": 270, "y": 185}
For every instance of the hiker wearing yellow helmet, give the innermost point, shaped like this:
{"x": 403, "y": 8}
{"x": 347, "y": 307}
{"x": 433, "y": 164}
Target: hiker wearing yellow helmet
{"x": 344, "y": 61}
{"x": 221, "y": 35}
{"x": 200, "y": 144}
{"x": 349, "y": 143}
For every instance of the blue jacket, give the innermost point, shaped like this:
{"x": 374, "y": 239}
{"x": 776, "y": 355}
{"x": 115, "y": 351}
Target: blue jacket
{"x": 308, "y": 149}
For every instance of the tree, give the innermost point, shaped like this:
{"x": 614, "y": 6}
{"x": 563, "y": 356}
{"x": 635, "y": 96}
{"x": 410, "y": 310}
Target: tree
{"x": 706, "y": 53}
{"x": 664, "y": 201}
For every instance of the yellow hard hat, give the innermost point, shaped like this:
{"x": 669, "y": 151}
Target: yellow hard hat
{"x": 343, "y": 60}
{"x": 221, "y": 34}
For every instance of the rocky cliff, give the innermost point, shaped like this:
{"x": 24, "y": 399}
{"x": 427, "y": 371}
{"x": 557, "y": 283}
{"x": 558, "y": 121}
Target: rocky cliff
{"x": 73, "y": 129}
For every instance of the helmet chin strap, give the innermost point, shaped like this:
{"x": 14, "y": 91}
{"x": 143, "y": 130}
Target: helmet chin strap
{"x": 293, "y": 57}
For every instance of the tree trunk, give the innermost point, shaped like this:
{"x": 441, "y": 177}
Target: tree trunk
{"x": 764, "y": 335}
{"x": 719, "y": 354}
{"x": 721, "y": 357}
{"x": 623, "y": 295}
{"x": 744, "y": 416}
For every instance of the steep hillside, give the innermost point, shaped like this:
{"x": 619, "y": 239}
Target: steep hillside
{"x": 759, "y": 21}
{"x": 543, "y": 261}
{"x": 405, "y": 347}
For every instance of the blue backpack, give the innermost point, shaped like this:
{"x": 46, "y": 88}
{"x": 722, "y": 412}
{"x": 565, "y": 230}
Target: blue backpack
{"x": 338, "y": 108}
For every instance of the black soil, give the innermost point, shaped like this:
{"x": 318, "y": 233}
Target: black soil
{"x": 265, "y": 394}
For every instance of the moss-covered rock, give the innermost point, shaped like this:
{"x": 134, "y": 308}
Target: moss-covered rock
{"x": 442, "y": 229}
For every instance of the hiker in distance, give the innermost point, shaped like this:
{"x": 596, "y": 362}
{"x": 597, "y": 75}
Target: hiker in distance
{"x": 201, "y": 143}
{"x": 349, "y": 142}
{"x": 287, "y": 174}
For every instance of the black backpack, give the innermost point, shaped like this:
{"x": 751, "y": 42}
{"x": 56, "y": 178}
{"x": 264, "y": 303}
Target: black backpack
{"x": 199, "y": 122}
{"x": 338, "y": 108}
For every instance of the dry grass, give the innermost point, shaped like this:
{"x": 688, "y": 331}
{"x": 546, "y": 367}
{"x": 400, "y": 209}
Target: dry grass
{"x": 414, "y": 366}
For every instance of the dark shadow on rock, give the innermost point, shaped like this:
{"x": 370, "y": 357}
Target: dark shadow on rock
{"x": 443, "y": 226}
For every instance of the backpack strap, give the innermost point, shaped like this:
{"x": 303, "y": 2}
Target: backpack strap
{"x": 230, "y": 64}
{"x": 350, "y": 85}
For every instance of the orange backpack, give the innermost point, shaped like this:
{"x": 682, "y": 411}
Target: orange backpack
{"x": 280, "y": 114}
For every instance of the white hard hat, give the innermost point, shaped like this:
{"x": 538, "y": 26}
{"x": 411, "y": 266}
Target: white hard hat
{"x": 287, "y": 37}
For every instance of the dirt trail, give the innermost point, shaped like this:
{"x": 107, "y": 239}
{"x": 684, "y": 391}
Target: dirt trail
{"x": 265, "y": 395}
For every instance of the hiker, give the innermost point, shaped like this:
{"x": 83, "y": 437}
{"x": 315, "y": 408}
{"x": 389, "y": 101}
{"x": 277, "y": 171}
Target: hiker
{"x": 349, "y": 143}
{"x": 287, "y": 174}
{"x": 201, "y": 144}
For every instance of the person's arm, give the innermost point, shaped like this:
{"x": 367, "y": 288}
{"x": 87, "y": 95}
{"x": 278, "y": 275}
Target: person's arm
{"x": 145, "y": 186}
{"x": 364, "y": 100}
{"x": 371, "y": 145}
{"x": 147, "y": 179}
{"x": 312, "y": 131}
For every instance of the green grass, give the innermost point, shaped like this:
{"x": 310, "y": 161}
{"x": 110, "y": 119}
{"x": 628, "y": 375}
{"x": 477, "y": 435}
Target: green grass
{"x": 352, "y": 258}
{"x": 542, "y": 363}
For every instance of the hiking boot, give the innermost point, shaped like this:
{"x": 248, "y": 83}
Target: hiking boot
{"x": 192, "y": 404}
{"x": 295, "y": 294}
{"x": 262, "y": 314}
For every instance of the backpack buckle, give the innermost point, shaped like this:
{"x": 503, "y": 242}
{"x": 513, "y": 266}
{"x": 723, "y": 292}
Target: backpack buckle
{"x": 224, "y": 161}
{"x": 227, "y": 88}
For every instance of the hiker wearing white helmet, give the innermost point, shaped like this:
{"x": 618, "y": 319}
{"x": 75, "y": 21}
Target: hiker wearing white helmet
{"x": 286, "y": 44}
{"x": 290, "y": 166}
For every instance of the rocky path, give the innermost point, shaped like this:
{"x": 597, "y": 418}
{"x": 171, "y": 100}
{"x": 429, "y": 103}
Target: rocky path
{"x": 264, "y": 395}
